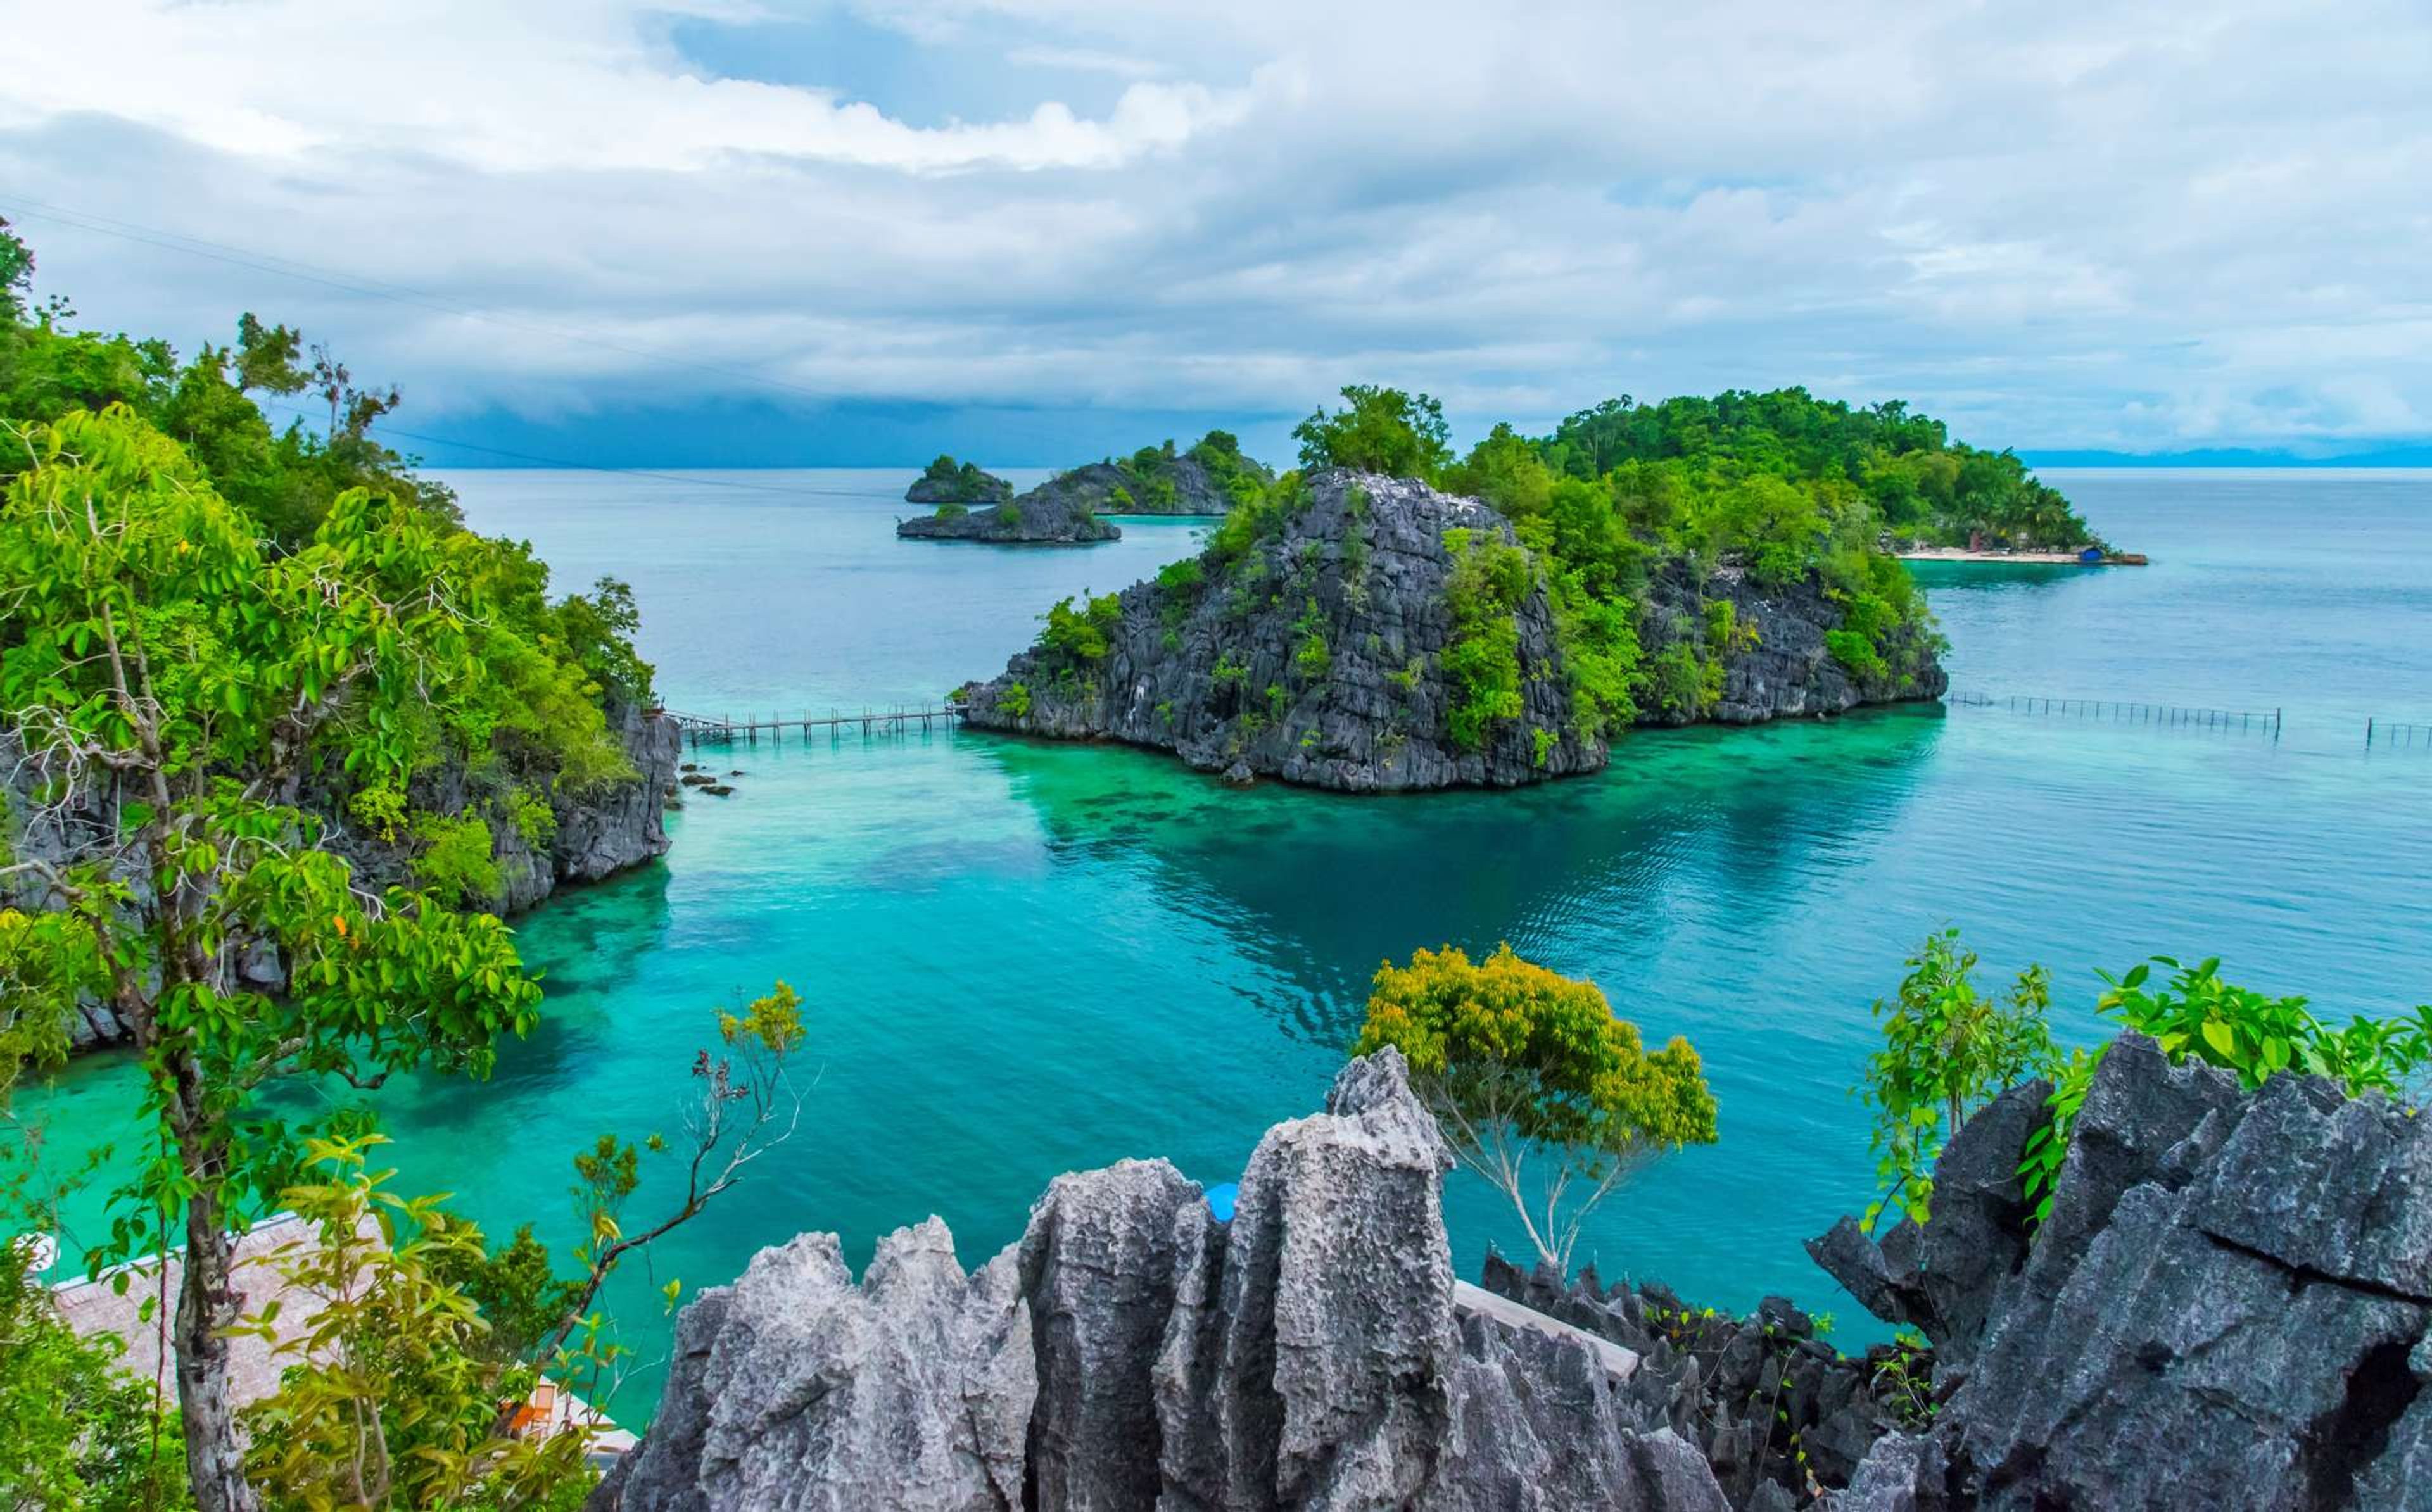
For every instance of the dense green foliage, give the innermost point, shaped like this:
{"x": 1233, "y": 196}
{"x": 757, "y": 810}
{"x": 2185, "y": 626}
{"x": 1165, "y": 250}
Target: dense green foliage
{"x": 1077, "y": 636}
{"x": 1490, "y": 577}
{"x": 1520, "y": 1063}
{"x": 76, "y": 1429}
{"x": 1947, "y": 1049}
{"x": 2196, "y": 1015}
{"x": 1149, "y": 474}
{"x": 964, "y": 483}
{"x": 1378, "y": 430}
{"x": 1920, "y": 484}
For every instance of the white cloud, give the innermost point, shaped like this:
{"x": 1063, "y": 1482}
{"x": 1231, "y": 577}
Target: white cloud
{"x": 1084, "y": 60}
{"x": 2144, "y": 225}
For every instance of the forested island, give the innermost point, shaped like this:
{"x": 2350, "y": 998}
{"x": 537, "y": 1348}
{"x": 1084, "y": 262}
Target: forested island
{"x": 948, "y": 481}
{"x": 1208, "y": 477}
{"x": 1390, "y": 616}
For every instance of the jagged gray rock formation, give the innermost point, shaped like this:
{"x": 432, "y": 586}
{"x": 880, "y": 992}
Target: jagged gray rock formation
{"x": 1317, "y": 655}
{"x": 1136, "y": 1353}
{"x": 598, "y": 830}
{"x": 2227, "y": 1306}
{"x": 1776, "y": 1410}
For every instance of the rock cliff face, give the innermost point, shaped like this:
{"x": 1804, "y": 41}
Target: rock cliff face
{"x": 1130, "y": 1352}
{"x": 1318, "y": 656}
{"x": 598, "y": 832}
{"x": 1039, "y": 517}
{"x": 1777, "y": 1412}
{"x": 2230, "y": 1304}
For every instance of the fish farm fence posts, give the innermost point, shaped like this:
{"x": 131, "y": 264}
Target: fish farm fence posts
{"x": 2260, "y": 721}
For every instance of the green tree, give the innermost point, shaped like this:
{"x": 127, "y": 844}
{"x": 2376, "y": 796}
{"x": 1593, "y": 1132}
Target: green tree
{"x": 1378, "y": 430}
{"x": 266, "y": 358}
{"x": 1537, "y": 1085}
{"x": 1948, "y": 1049}
{"x": 151, "y": 641}
{"x": 16, "y": 273}
{"x": 393, "y": 1392}
{"x": 76, "y": 1429}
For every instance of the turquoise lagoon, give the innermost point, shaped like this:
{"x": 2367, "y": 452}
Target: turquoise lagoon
{"x": 1022, "y": 959}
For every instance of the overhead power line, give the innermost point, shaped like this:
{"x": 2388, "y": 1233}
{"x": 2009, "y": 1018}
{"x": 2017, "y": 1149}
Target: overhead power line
{"x": 372, "y": 289}
{"x": 375, "y": 288}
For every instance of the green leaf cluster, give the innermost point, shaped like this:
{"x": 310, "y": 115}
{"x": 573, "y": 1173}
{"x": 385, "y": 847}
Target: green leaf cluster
{"x": 76, "y": 1429}
{"x": 1082, "y": 634}
{"x": 1491, "y": 577}
{"x": 1378, "y": 430}
{"x": 1947, "y": 1047}
{"x": 2195, "y": 1014}
{"x": 968, "y": 484}
{"x": 1901, "y": 465}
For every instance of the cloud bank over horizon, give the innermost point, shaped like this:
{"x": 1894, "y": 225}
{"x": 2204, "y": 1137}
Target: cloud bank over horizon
{"x": 2136, "y": 227}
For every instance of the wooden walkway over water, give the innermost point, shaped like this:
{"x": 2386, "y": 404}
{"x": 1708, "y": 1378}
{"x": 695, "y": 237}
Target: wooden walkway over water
{"x": 706, "y": 730}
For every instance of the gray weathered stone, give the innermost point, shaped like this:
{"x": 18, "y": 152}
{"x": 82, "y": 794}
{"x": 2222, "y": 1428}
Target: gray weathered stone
{"x": 2228, "y": 1307}
{"x": 1131, "y": 1353}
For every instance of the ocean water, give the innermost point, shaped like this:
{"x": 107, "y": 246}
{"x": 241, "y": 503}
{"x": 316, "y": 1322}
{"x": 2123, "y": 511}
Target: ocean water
{"x": 1021, "y": 959}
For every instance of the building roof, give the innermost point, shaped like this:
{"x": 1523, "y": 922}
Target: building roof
{"x": 97, "y": 1307}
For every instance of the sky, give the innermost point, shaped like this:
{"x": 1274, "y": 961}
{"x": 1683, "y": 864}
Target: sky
{"x": 1036, "y": 231}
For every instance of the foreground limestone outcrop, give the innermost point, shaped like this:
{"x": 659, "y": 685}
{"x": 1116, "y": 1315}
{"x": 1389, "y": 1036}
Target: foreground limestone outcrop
{"x": 2229, "y": 1306}
{"x": 1131, "y": 1351}
{"x": 1318, "y": 655}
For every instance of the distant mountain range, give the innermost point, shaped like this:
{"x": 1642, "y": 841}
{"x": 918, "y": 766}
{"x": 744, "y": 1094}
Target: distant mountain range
{"x": 2418, "y": 454}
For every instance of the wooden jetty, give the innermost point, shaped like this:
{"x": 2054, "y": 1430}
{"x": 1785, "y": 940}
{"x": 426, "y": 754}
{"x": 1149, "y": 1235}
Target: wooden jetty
{"x": 706, "y": 730}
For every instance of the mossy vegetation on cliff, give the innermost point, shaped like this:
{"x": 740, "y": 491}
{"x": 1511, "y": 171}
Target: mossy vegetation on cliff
{"x": 1511, "y": 641}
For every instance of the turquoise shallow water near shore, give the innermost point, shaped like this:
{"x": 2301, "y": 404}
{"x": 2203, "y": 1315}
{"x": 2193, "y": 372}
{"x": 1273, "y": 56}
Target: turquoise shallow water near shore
{"x": 1022, "y": 959}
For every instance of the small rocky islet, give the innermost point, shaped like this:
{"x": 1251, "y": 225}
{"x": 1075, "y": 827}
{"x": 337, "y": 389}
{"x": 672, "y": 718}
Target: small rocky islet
{"x": 1208, "y": 478}
{"x": 1368, "y": 634}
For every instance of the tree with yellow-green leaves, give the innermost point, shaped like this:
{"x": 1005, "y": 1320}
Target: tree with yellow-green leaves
{"x": 1536, "y": 1085}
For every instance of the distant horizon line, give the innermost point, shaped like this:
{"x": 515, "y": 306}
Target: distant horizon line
{"x": 2397, "y": 458}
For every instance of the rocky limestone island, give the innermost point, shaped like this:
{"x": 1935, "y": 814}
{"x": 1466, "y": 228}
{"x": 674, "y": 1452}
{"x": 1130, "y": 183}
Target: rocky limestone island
{"x": 2227, "y": 1307}
{"x": 1317, "y": 640}
{"x": 948, "y": 481}
{"x": 1208, "y": 478}
{"x": 1039, "y": 517}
